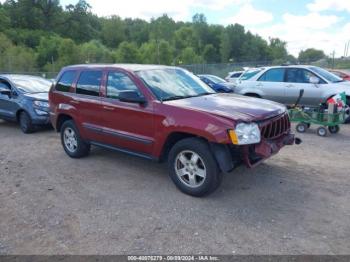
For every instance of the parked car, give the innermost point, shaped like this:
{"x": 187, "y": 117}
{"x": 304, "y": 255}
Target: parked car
{"x": 342, "y": 74}
{"x": 217, "y": 83}
{"x": 283, "y": 84}
{"x": 165, "y": 114}
{"x": 233, "y": 76}
{"x": 24, "y": 99}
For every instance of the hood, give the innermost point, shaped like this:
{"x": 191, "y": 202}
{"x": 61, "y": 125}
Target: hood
{"x": 38, "y": 96}
{"x": 232, "y": 106}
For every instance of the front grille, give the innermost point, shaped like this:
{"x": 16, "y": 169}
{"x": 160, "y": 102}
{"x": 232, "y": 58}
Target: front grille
{"x": 275, "y": 127}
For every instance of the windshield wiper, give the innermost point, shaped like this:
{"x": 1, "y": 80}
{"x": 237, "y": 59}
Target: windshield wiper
{"x": 174, "y": 98}
{"x": 183, "y": 97}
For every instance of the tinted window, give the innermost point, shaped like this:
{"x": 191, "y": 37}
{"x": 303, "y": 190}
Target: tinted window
{"x": 297, "y": 75}
{"x": 89, "y": 83}
{"x": 236, "y": 75}
{"x": 66, "y": 81}
{"x": 328, "y": 75}
{"x": 119, "y": 82}
{"x": 249, "y": 74}
{"x": 273, "y": 75}
{"x": 4, "y": 84}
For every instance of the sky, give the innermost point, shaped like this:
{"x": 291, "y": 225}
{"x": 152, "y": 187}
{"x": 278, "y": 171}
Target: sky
{"x": 322, "y": 24}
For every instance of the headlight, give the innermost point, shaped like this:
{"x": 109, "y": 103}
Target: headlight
{"x": 41, "y": 103}
{"x": 245, "y": 134}
{"x": 40, "y": 112}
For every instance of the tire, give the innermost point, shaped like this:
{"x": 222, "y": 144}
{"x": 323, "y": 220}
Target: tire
{"x": 322, "y": 131}
{"x": 72, "y": 142}
{"x": 196, "y": 178}
{"x": 301, "y": 127}
{"x": 333, "y": 129}
{"x": 347, "y": 114}
{"x": 25, "y": 123}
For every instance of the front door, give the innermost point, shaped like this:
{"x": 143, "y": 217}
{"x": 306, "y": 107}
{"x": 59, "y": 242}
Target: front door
{"x": 297, "y": 79}
{"x": 8, "y": 105}
{"x": 126, "y": 125}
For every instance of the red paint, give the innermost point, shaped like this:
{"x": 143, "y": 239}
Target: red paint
{"x": 145, "y": 128}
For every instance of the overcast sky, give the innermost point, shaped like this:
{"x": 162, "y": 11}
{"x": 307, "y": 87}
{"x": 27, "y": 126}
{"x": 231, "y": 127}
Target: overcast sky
{"x": 323, "y": 24}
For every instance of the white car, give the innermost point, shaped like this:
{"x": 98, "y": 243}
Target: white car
{"x": 233, "y": 76}
{"x": 283, "y": 84}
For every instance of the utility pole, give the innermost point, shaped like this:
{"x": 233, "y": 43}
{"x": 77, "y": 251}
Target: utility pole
{"x": 333, "y": 55}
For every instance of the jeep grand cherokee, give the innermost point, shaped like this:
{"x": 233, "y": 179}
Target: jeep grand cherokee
{"x": 165, "y": 114}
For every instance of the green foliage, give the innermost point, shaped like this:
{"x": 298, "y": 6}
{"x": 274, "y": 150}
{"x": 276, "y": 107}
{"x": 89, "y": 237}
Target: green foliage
{"x": 113, "y": 31}
{"x": 54, "y": 36}
{"x": 189, "y": 56}
{"x": 311, "y": 55}
{"x": 127, "y": 53}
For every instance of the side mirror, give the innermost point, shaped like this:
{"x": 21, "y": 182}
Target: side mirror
{"x": 5, "y": 91}
{"x": 314, "y": 80}
{"x": 131, "y": 97}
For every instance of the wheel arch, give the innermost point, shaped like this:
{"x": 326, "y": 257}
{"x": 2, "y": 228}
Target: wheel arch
{"x": 61, "y": 119}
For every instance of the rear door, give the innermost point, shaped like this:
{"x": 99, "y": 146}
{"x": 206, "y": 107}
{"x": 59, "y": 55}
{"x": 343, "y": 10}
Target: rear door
{"x": 271, "y": 84}
{"x": 126, "y": 125}
{"x": 88, "y": 103}
{"x": 299, "y": 78}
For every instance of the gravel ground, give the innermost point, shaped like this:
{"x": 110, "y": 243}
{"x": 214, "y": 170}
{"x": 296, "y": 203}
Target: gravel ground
{"x": 109, "y": 203}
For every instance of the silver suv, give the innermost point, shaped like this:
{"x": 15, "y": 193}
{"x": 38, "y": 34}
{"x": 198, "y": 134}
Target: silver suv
{"x": 283, "y": 83}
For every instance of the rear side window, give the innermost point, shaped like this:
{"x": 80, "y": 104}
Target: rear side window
{"x": 66, "y": 81}
{"x": 119, "y": 82}
{"x": 273, "y": 75}
{"x": 89, "y": 83}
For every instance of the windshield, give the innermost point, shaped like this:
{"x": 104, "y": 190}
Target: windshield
{"x": 249, "y": 74}
{"x": 327, "y": 75}
{"x": 215, "y": 79}
{"x": 174, "y": 83}
{"x": 30, "y": 84}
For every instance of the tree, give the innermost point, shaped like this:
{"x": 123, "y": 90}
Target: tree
{"x": 113, "y": 31}
{"x": 4, "y": 19}
{"x": 310, "y": 55}
{"x": 127, "y": 53}
{"x": 189, "y": 56}
{"x": 278, "y": 49}
{"x": 157, "y": 53}
{"x": 95, "y": 52}
{"x": 232, "y": 42}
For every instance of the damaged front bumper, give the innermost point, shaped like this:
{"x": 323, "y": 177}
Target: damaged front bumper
{"x": 254, "y": 154}
{"x": 231, "y": 156}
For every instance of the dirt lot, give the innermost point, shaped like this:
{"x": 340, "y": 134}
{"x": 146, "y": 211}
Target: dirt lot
{"x": 298, "y": 202}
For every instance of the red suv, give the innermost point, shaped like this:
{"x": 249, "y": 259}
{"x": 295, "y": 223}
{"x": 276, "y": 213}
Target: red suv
{"x": 165, "y": 114}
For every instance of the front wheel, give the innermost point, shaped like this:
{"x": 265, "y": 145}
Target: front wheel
{"x": 193, "y": 168}
{"x": 72, "y": 143}
{"x": 25, "y": 122}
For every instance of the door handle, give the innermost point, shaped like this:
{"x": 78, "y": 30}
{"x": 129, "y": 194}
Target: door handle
{"x": 259, "y": 85}
{"x": 108, "y": 108}
{"x": 289, "y": 85}
{"x": 75, "y": 102}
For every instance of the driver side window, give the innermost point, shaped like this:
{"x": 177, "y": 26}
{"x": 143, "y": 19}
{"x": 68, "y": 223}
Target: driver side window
{"x": 5, "y": 85}
{"x": 298, "y": 75}
{"x": 118, "y": 82}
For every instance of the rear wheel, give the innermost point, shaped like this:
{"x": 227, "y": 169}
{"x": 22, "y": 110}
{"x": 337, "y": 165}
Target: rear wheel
{"x": 72, "y": 143}
{"x": 193, "y": 168}
{"x": 25, "y": 122}
{"x": 334, "y": 129}
{"x": 322, "y": 131}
